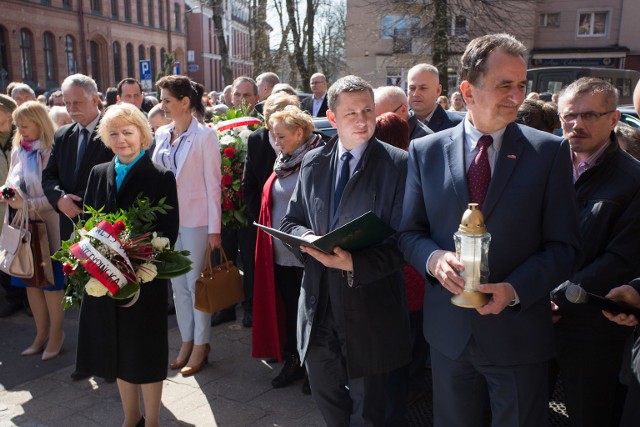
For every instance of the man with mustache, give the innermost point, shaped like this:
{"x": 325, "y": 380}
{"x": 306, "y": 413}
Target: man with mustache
{"x": 607, "y": 184}
{"x": 521, "y": 179}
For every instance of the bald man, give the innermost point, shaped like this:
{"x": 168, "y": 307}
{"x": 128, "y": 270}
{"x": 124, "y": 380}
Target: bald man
{"x": 392, "y": 99}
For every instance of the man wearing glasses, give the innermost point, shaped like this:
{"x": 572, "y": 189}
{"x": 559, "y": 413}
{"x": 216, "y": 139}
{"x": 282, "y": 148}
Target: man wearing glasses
{"x": 392, "y": 99}
{"x": 607, "y": 184}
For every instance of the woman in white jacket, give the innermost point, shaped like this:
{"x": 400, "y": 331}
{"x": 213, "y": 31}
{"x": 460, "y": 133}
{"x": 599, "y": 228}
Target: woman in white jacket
{"x": 190, "y": 150}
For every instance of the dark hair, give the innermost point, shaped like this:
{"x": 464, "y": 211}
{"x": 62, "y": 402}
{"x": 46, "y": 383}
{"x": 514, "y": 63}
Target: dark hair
{"x": 630, "y": 137}
{"x": 392, "y": 129}
{"x": 128, "y": 81}
{"x": 111, "y": 96}
{"x": 347, "y": 84}
{"x": 183, "y": 86}
{"x": 473, "y": 62}
{"x": 53, "y": 96}
{"x": 539, "y": 115}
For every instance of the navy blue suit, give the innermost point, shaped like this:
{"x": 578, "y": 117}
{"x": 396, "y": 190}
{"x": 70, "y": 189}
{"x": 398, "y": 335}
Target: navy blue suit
{"x": 531, "y": 213}
{"x": 443, "y": 119}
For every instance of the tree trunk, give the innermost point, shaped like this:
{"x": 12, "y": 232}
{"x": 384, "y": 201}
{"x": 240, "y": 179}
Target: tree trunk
{"x": 297, "y": 47}
{"x": 441, "y": 24}
{"x": 218, "y": 11}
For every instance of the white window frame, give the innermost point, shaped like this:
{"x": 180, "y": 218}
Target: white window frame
{"x": 544, "y": 17}
{"x": 593, "y": 12}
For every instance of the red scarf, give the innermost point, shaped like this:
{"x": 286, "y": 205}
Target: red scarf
{"x": 268, "y": 332}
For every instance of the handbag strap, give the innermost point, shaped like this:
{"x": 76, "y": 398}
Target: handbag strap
{"x": 207, "y": 258}
{"x": 21, "y": 218}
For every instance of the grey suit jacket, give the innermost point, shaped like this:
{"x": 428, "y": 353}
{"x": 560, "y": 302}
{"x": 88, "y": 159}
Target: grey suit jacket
{"x": 530, "y": 211}
{"x": 375, "y": 312}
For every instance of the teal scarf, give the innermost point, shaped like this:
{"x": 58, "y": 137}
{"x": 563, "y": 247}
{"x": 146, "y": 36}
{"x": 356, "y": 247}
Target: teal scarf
{"x": 122, "y": 169}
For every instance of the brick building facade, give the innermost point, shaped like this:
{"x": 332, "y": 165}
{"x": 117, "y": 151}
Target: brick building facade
{"x": 43, "y": 41}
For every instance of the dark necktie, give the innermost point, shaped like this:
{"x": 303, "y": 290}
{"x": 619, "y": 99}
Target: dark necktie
{"x": 345, "y": 174}
{"x": 479, "y": 174}
{"x": 82, "y": 147}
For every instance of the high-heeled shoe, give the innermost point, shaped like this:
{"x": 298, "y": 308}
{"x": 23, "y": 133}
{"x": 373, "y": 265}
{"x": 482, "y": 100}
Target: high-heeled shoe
{"x": 30, "y": 351}
{"x": 188, "y": 371}
{"x": 178, "y": 364}
{"x": 48, "y": 355}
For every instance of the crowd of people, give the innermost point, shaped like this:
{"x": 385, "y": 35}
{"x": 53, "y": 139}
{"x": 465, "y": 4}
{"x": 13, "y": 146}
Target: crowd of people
{"x": 555, "y": 179}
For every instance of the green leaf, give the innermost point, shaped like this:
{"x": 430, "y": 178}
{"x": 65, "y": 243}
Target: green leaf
{"x": 127, "y": 291}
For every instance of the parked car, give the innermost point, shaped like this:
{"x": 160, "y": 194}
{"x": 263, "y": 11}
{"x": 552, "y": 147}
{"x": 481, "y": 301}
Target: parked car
{"x": 322, "y": 125}
{"x": 629, "y": 115}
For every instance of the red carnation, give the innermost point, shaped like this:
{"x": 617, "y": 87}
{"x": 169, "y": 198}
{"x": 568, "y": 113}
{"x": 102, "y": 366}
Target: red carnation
{"x": 239, "y": 194}
{"x": 227, "y": 180}
{"x": 229, "y": 152}
{"x": 227, "y": 204}
{"x": 119, "y": 226}
{"x": 67, "y": 269}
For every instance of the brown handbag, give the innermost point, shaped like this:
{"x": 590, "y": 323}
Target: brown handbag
{"x": 42, "y": 267}
{"x": 218, "y": 287}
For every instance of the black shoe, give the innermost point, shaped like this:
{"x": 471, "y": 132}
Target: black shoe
{"x": 9, "y": 309}
{"x": 222, "y": 316}
{"x": 291, "y": 371}
{"x": 247, "y": 320}
{"x": 306, "y": 387}
{"x": 77, "y": 376}
{"x": 140, "y": 423}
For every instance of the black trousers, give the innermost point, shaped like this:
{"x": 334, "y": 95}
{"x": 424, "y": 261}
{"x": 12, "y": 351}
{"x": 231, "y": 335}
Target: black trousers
{"x": 342, "y": 401}
{"x": 288, "y": 281}
{"x": 589, "y": 371}
{"x": 240, "y": 247}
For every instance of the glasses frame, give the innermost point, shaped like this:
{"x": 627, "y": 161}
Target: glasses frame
{"x": 587, "y": 116}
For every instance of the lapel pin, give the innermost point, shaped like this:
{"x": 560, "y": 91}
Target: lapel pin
{"x": 511, "y": 156}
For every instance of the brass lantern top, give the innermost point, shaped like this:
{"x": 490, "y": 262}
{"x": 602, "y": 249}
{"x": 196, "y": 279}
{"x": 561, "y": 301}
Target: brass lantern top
{"x": 472, "y": 221}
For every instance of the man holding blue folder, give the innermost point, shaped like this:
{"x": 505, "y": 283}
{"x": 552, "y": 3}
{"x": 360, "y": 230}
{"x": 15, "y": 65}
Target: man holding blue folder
{"x": 353, "y": 325}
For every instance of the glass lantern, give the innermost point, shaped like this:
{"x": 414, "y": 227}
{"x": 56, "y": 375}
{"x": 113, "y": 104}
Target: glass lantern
{"x": 472, "y": 248}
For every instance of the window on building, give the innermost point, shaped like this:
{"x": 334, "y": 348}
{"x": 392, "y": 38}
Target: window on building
{"x": 49, "y": 57}
{"x": 66, "y": 3}
{"x": 114, "y": 9}
{"x": 398, "y": 26}
{"x": 26, "y": 55}
{"x": 70, "y": 54}
{"x": 176, "y": 16}
{"x": 549, "y": 20}
{"x": 117, "y": 62}
{"x": 459, "y": 26}
{"x": 161, "y": 13}
{"x": 96, "y": 6}
{"x": 127, "y": 10}
{"x": 94, "y": 51}
{"x": 162, "y": 53}
{"x": 47, "y": 2}
{"x": 131, "y": 66}
{"x": 5, "y": 76}
{"x": 593, "y": 24}
{"x": 141, "y": 53}
{"x": 154, "y": 62}
{"x": 139, "y": 11}
{"x": 151, "y": 10}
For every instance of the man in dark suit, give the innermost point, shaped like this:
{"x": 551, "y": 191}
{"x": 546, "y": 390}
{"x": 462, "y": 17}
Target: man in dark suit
{"x": 353, "y": 324}
{"x": 265, "y": 82}
{"x": 423, "y": 91}
{"x": 607, "y": 184}
{"x": 521, "y": 178}
{"x": 391, "y": 99}
{"x": 316, "y": 104}
{"x": 76, "y": 150}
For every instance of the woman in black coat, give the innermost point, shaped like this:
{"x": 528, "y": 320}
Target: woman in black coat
{"x": 129, "y": 343}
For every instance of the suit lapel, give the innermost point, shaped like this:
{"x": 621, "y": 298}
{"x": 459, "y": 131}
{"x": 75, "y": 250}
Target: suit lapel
{"x": 323, "y": 164}
{"x": 184, "y": 151}
{"x": 112, "y": 191}
{"x": 510, "y": 152}
{"x": 454, "y": 157}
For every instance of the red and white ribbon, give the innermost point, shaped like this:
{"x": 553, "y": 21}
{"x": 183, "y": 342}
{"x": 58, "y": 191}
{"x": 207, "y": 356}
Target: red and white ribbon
{"x": 97, "y": 264}
{"x": 237, "y": 122}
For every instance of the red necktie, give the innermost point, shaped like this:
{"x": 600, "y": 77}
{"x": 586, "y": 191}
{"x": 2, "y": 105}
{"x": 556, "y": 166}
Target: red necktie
{"x": 479, "y": 174}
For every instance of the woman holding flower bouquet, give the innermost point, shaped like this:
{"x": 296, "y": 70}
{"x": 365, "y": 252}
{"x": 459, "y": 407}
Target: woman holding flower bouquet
{"x": 276, "y": 293}
{"x": 190, "y": 150}
{"x": 29, "y": 156}
{"x": 130, "y": 341}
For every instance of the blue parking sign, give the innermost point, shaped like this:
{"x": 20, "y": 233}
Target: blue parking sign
{"x": 145, "y": 74}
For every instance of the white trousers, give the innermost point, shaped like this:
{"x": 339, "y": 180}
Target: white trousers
{"x": 194, "y": 324}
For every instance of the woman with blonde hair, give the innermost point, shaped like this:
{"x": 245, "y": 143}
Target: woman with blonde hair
{"x": 29, "y": 156}
{"x": 129, "y": 343}
{"x": 278, "y": 274}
